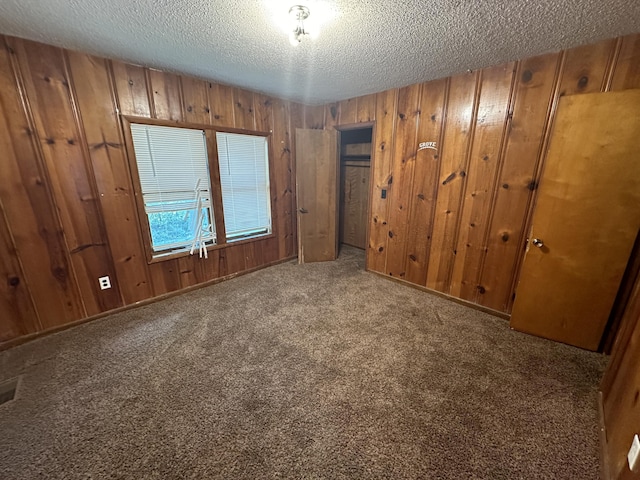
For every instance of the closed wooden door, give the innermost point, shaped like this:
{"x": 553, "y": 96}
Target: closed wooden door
{"x": 316, "y": 183}
{"x": 585, "y": 222}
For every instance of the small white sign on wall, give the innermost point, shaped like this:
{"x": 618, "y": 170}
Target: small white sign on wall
{"x": 424, "y": 145}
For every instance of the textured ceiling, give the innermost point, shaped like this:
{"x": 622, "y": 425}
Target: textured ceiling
{"x": 363, "y": 47}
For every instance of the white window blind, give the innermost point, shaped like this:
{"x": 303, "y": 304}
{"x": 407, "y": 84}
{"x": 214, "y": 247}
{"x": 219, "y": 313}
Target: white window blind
{"x": 244, "y": 179}
{"x": 174, "y": 176}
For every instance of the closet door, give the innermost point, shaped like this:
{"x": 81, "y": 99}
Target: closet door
{"x": 586, "y": 219}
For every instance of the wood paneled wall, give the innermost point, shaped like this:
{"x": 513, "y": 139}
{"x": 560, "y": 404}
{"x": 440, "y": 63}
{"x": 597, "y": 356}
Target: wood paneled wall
{"x": 455, "y": 219}
{"x": 620, "y": 392}
{"x": 67, "y": 212}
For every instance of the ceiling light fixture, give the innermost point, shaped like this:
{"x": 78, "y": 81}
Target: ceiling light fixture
{"x": 299, "y": 13}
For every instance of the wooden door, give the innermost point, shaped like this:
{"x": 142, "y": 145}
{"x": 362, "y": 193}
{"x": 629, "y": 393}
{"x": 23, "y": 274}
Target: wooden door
{"x": 317, "y": 187}
{"x": 355, "y": 200}
{"x": 585, "y": 221}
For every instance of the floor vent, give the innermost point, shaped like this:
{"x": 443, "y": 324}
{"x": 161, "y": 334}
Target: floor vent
{"x": 8, "y": 390}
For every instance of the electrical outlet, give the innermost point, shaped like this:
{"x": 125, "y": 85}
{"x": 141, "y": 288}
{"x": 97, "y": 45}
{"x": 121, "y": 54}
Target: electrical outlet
{"x": 104, "y": 282}
{"x": 634, "y": 454}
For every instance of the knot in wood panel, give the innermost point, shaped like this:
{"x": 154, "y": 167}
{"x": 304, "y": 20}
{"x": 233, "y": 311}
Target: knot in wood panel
{"x": 582, "y": 83}
{"x": 527, "y": 75}
{"x": 449, "y": 178}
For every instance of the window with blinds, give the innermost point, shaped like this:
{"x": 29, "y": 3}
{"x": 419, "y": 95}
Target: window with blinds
{"x": 244, "y": 180}
{"x": 173, "y": 168}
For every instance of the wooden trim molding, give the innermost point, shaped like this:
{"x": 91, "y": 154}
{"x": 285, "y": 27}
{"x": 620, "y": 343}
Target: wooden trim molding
{"x": 460, "y": 301}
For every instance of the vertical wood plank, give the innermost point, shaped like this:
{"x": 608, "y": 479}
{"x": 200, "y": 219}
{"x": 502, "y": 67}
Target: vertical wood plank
{"x": 29, "y": 208}
{"x": 221, "y": 101}
{"x": 296, "y": 110}
{"x": 381, "y": 170}
{"x": 244, "y": 110}
{"x": 425, "y": 183}
{"x": 366, "y": 108}
{"x": 296, "y": 120}
{"x": 517, "y": 182}
{"x": 263, "y": 106}
{"x": 165, "y": 274}
{"x": 484, "y": 160}
{"x": 404, "y": 158}
{"x": 51, "y": 99}
{"x": 263, "y": 113}
{"x": 131, "y": 85}
{"x": 196, "y": 100}
{"x": 166, "y": 93}
{"x": 314, "y": 117}
{"x": 585, "y": 68}
{"x": 331, "y": 115}
{"x": 256, "y": 253}
{"x": 269, "y": 251}
{"x": 453, "y": 156}
{"x": 187, "y": 269}
{"x": 626, "y": 74}
{"x": 283, "y": 173}
{"x": 211, "y": 268}
{"x": 349, "y": 111}
{"x": 252, "y": 255}
{"x": 18, "y": 315}
{"x": 261, "y": 252}
{"x": 232, "y": 260}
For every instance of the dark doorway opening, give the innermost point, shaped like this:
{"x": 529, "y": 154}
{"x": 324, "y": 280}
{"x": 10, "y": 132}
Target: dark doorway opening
{"x": 355, "y": 166}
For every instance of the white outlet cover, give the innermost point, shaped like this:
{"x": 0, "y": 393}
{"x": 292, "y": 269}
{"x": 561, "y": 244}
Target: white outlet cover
{"x": 104, "y": 282}
{"x": 634, "y": 453}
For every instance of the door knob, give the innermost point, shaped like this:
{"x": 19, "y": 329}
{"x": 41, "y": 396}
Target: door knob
{"x": 538, "y": 243}
{"x": 303, "y": 210}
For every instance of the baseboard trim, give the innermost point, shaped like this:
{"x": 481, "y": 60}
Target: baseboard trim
{"x": 466, "y": 303}
{"x": 59, "y": 328}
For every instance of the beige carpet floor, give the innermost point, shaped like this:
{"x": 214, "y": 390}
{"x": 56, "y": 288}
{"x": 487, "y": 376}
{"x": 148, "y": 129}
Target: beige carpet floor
{"x": 314, "y": 371}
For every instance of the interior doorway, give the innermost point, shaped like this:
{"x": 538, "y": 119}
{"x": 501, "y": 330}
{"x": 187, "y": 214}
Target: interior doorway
{"x": 355, "y": 167}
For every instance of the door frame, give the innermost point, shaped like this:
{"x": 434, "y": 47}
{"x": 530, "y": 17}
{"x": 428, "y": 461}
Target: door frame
{"x": 347, "y": 127}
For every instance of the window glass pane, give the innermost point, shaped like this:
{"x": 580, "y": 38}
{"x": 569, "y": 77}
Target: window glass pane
{"x": 173, "y": 168}
{"x": 244, "y": 179}
{"x": 173, "y": 229}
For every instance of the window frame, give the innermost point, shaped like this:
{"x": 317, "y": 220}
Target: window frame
{"x": 214, "y": 179}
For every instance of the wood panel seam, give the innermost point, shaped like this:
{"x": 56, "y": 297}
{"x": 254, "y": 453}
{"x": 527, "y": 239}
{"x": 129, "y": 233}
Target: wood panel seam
{"x": 90, "y": 172}
{"x": 465, "y": 167}
{"x": 611, "y": 67}
{"x": 501, "y": 156}
{"x": 436, "y": 187}
{"x": 537, "y": 173}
